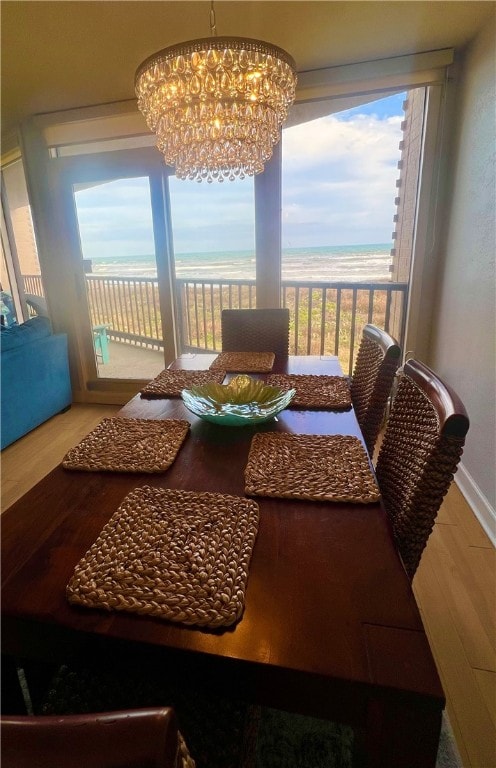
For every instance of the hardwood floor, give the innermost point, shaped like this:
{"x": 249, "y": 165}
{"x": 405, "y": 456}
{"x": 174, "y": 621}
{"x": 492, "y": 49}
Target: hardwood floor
{"x": 29, "y": 459}
{"x": 455, "y": 585}
{"x": 455, "y": 588}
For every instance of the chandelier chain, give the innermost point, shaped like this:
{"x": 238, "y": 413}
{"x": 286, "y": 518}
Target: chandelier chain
{"x": 213, "y": 26}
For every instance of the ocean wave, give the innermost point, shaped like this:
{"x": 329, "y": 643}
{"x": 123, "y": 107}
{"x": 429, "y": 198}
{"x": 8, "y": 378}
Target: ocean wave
{"x": 324, "y": 264}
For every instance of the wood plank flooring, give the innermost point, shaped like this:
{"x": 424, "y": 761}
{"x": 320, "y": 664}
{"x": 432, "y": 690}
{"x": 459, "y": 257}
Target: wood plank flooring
{"x": 455, "y": 588}
{"x": 455, "y": 585}
{"x": 29, "y": 459}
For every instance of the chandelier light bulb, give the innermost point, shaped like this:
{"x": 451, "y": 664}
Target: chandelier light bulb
{"x": 216, "y": 104}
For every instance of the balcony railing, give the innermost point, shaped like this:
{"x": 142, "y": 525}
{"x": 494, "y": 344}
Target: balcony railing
{"x": 326, "y": 318}
{"x": 130, "y": 306}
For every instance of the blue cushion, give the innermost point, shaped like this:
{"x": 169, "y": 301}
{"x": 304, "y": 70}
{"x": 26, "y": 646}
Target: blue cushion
{"x": 16, "y": 335}
{"x": 34, "y": 385}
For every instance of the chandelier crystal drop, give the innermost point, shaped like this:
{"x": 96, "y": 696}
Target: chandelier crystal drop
{"x": 216, "y": 104}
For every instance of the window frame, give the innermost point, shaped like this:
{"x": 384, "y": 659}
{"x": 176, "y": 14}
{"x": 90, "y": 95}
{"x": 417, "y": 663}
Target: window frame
{"x": 122, "y": 120}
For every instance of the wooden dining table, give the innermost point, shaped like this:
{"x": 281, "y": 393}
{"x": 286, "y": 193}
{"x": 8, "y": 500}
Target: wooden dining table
{"x": 330, "y": 626}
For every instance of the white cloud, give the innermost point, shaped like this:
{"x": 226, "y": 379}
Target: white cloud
{"x": 339, "y": 180}
{"x": 212, "y": 217}
{"x": 339, "y": 177}
{"x": 330, "y": 137}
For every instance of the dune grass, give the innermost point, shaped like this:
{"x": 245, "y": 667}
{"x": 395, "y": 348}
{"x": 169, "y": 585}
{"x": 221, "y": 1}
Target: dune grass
{"x": 324, "y": 321}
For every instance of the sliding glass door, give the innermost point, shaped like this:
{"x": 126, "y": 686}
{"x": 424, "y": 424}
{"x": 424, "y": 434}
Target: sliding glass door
{"x": 139, "y": 265}
{"x": 122, "y": 263}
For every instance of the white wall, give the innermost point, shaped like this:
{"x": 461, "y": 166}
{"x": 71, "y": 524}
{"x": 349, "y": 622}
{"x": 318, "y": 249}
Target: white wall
{"x": 462, "y": 348}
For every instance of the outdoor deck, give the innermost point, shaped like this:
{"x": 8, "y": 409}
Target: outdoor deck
{"x": 128, "y": 361}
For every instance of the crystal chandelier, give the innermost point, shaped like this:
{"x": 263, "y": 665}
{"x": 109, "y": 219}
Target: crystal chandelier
{"x": 216, "y": 104}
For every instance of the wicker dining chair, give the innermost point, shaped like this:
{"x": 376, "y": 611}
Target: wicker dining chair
{"x": 422, "y": 446}
{"x": 255, "y": 330}
{"x": 126, "y": 738}
{"x": 373, "y": 374}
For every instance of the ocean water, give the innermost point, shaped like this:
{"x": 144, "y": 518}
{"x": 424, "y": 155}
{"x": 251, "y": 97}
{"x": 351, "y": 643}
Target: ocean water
{"x": 324, "y": 263}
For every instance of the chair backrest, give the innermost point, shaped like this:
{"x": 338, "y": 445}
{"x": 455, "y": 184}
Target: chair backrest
{"x": 418, "y": 457}
{"x": 373, "y": 374}
{"x": 127, "y": 738}
{"x": 36, "y": 304}
{"x": 255, "y": 330}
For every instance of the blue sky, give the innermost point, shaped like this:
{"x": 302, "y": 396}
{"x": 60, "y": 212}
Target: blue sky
{"x": 339, "y": 175}
{"x": 388, "y": 107}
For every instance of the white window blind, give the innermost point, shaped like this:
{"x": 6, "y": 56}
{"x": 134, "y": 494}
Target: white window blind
{"x": 397, "y": 73}
{"x": 348, "y": 86}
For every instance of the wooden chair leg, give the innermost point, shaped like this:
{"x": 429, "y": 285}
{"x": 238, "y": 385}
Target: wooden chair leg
{"x": 13, "y": 700}
{"x": 100, "y": 339}
{"x": 24, "y": 685}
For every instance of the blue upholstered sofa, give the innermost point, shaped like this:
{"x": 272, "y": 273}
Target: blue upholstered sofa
{"x": 35, "y": 383}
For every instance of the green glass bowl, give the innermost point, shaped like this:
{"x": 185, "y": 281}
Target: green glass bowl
{"x": 243, "y": 401}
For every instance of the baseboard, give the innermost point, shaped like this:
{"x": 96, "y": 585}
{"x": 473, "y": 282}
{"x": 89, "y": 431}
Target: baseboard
{"x": 480, "y": 506}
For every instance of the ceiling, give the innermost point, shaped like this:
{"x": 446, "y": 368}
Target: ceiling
{"x": 59, "y": 54}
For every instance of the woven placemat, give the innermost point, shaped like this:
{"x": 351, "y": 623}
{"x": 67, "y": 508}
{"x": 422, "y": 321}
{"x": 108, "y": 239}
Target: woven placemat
{"x": 177, "y": 555}
{"x": 319, "y": 392}
{"x": 128, "y": 445}
{"x": 313, "y": 467}
{"x": 244, "y": 362}
{"x": 171, "y": 383}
